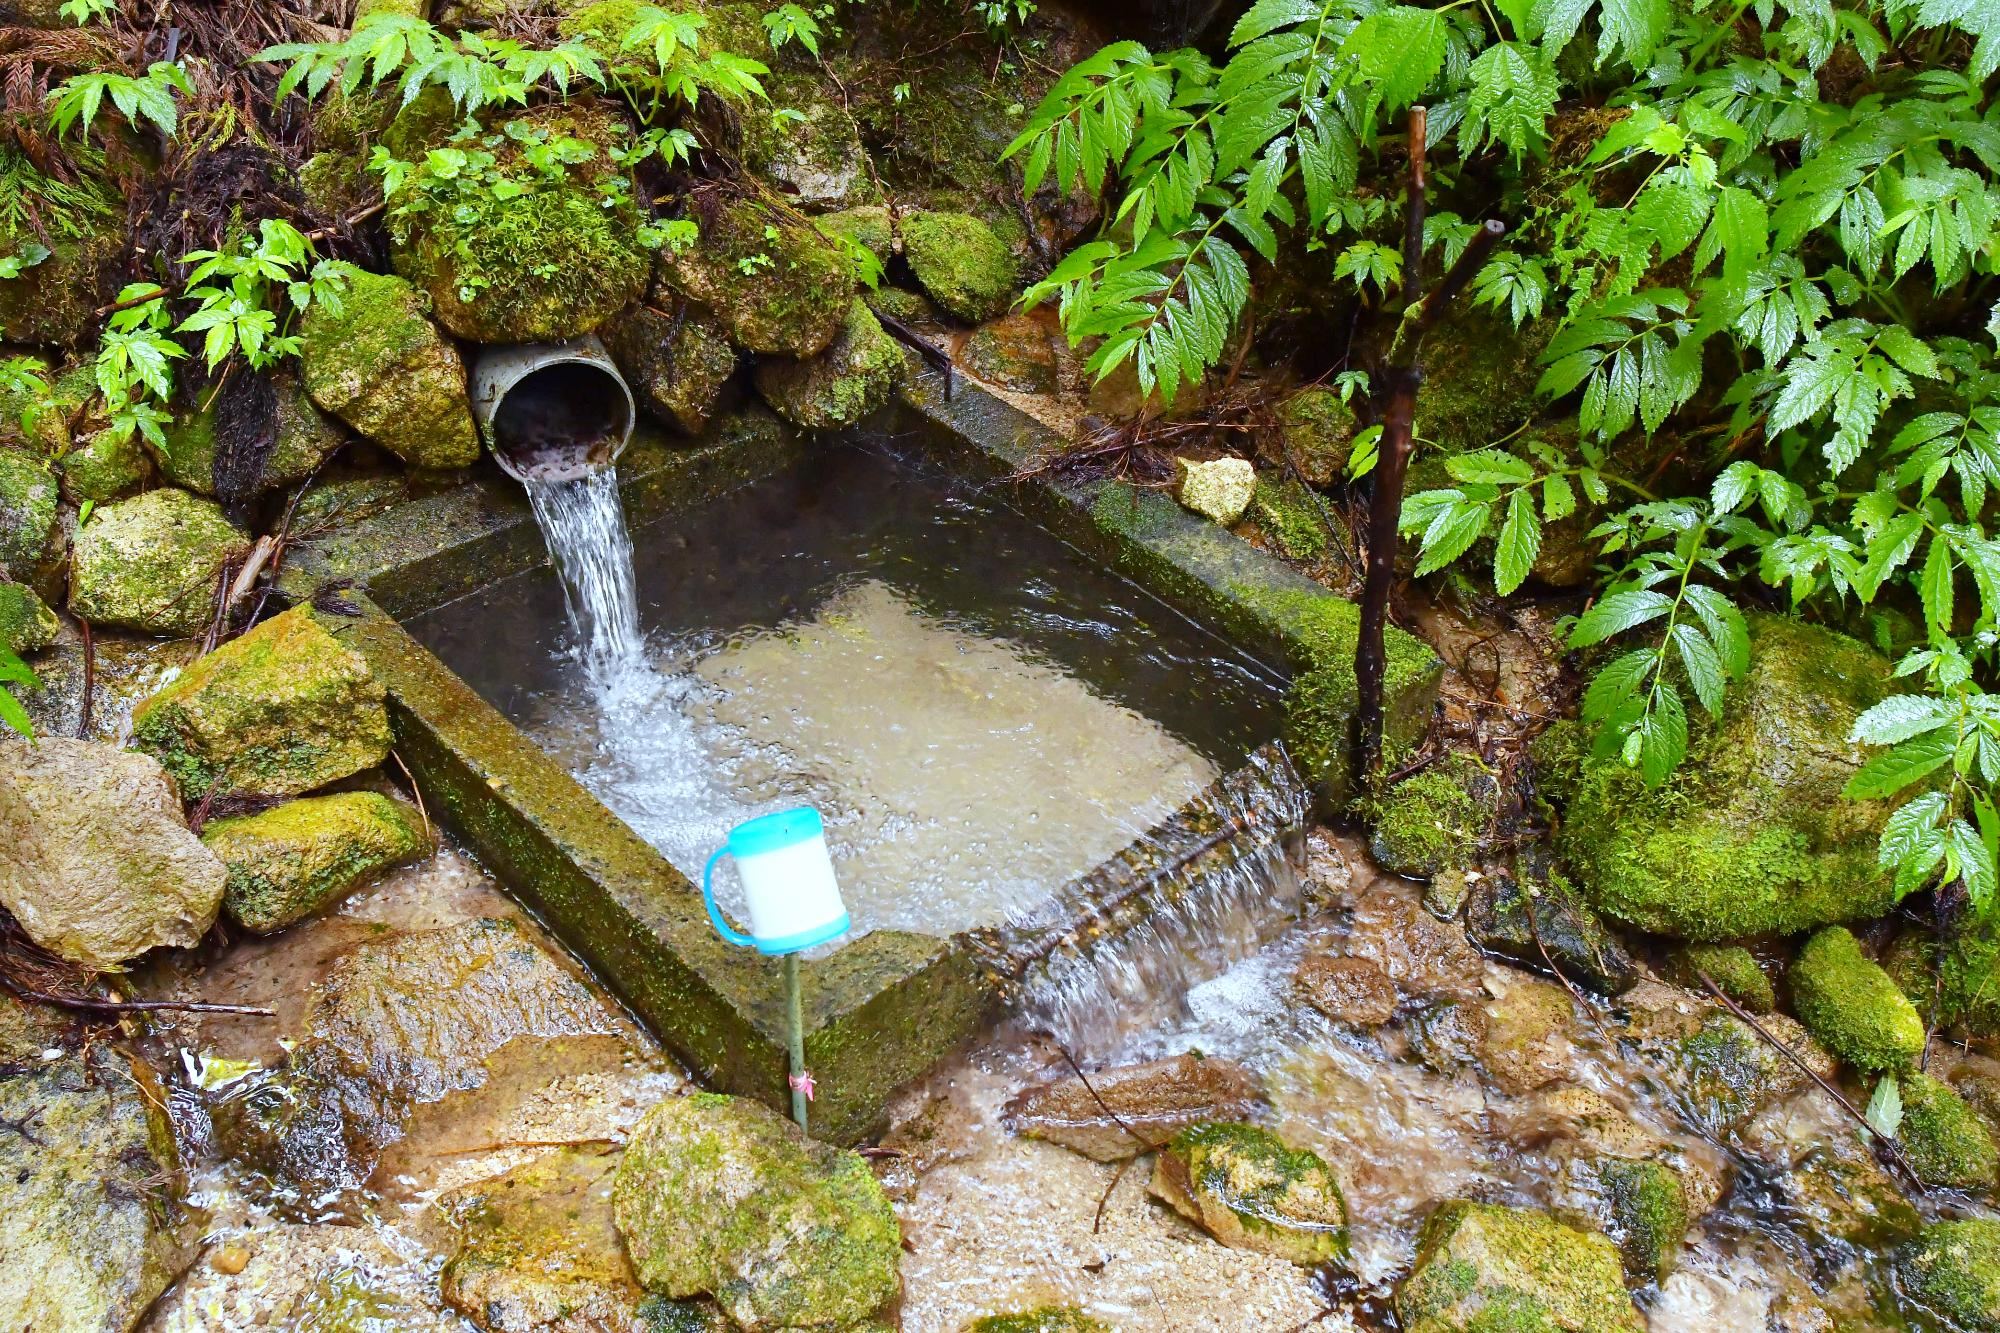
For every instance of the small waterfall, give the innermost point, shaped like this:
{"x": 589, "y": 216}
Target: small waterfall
{"x": 583, "y": 522}
{"x": 1120, "y": 947}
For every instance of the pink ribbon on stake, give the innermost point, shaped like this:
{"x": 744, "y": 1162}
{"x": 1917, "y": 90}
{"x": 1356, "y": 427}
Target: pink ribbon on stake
{"x": 803, "y": 1083}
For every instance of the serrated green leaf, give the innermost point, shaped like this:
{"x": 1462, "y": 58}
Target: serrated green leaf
{"x": 1519, "y": 543}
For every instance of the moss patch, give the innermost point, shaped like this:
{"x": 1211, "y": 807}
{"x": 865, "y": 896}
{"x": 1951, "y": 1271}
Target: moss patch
{"x": 781, "y": 289}
{"x": 288, "y": 863}
{"x": 104, "y": 466}
{"x": 1751, "y": 835}
{"x": 1513, "y": 1270}
{"x": 151, "y": 563}
{"x": 279, "y": 711}
{"x": 1287, "y": 516}
{"x": 1436, "y": 819}
{"x": 1731, "y": 967}
{"x": 1049, "y": 1319}
{"x": 1250, "y": 1191}
{"x": 1852, "y": 1006}
{"x": 1316, "y": 434}
{"x": 1944, "y": 1139}
{"x": 854, "y": 376}
{"x": 26, "y": 623}
{"x": 965, "y": 267}
{"x": 1953, "y": 1269}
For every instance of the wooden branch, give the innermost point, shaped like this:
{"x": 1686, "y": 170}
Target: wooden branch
{"x": 95, "y": 1006}
{"x": 1470, "y": 261}
{"x": 1415, "y": 207}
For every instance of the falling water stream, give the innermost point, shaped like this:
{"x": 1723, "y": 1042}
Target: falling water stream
{"x": 583, "y": 522}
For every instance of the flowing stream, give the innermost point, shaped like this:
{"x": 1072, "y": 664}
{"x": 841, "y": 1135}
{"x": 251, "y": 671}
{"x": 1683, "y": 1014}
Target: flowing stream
{"x": 583, "y": 521}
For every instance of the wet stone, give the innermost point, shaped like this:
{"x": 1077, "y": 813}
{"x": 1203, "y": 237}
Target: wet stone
{"x": 1247, "y": 1188}
{"x": 93, "y": 1219}
{"x": 1351, "y": 991}
{"x": 1953, "y": 1268}
{"x": 152, "y": 563}
{"x": 1526, "y": 1041}
{"x": 1718, "y": 1073}
{"x": 1016, "y": 352}
{"x": 1829, "y": 1186}
{"x": 298, "y": 858}
{"x": 1155, "y": 1100}
{"x": 1425, "y": 957}
{"x": 1484, "y": 1267}
{"x": 96, "y": 860}
{"x": 1549, "y": 926}
{"x": 677, "y": 362}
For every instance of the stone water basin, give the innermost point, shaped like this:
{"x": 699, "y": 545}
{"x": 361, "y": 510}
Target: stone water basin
{"x": 982, "y": 714}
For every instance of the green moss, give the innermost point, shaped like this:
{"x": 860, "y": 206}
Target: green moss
{"x": 1953, "y": 1269}
{"x": 546, "y": 265}
{"x": 1479, "y": 379}
{"x": 1288, "y": 516}
{"x": 1958, "y": 982}
{"x": 381, "y": 366}
{"x": 30, "y": 519}
{"x": 279, "y": 711}
{"x": 1751, "y": 835}
{"x": 781, "y": 289}
{"x": 104, "y": 466}
{"x": 188, "y": 456}
{"x": 854, "y": 376}
{"x": 150, "y": 563}
{"x": 1316, "y": 430}
{"x": 54, "y": 302}
{"x": 1944, "y": 1139}
{"x": 1852, "y": 1006}
{"x": 1435, "y": 819}
{"x": 868, "y": 226}
{"x": 965, "y": 267}
{"x": 1731, "y": 967}
{"x": 1252, "y": 1192}
{"x": 26, "y": 623}
{"x": 290, "y": 862}
{"x": 805, "y": 142}
{"x": 1649, "y": 1215}
{"x": 1049, "y": 1319}
{"x": 1483, "y": 1266}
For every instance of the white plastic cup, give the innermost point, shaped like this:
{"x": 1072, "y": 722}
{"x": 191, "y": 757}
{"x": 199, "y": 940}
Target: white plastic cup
{"x": 788, "y": 883}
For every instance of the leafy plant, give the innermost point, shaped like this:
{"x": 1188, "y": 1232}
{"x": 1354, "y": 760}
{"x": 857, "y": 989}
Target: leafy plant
{"x": 141, "y": 99}
{"x": 14, "y": 674}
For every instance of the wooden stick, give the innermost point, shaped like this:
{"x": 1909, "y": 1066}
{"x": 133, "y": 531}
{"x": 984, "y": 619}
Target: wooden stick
{"x": 94, "y": 1006}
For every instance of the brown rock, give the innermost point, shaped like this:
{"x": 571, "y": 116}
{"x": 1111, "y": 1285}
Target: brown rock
{"x": 1353, "y": 991}
{"x": 1156, "y": 1100}
{"x": 1425, "y": 957}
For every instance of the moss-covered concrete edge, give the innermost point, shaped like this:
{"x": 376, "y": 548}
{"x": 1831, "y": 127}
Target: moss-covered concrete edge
{"x": 1204, "y": 571}
{"x": 880, "y": 1012}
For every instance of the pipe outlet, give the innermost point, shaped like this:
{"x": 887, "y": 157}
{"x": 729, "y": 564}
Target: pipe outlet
{"x": 551, "y": 411}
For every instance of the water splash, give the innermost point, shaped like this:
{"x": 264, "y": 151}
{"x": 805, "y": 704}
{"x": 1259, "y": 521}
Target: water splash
{"x": 1121, "y": 947}
{"x": 583, "y": 521}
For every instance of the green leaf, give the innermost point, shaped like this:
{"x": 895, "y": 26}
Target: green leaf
{"x": 1520, "y": 542}
{"x": 1620, "y": 679}
{"x": 1934, "y": 587}
{"x": 1912, "y": 761}
{"x": 14, "y": 715}
{"x": 1702, "y": 664}
{"x": 1663, "y": 736}
{"x": 1617, "y": 613}
{"x": 1899, "y": 717}
{"x": 1885, "y": 1109}
{"x": 1491, "y": 466}
{"x": 1451, "y": 534}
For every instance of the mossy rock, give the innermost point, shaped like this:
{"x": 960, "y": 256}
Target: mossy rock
{"x": 1720, "y": 1072}
{"x": 781, "y": 289}
{"x": 26, "y": 623}
{"x": 54, "y": 303}
{"x": 1649, "y": 1215}
{"x": 731, "y": 26}
{"x": 104, "y": 466}
{"x": 1484, "y": 1268}
{"x": 1435, "y": 819}
{"x": 1945, "y": 1140}
{"x": 31, "y": 530}
{"x": 1953, "y": 1270}
{"x": 965, "y": 267}
{"x": 336, "y": 185}
{"x": 1048, "y": 1319}
{"x": 1244, "y": 1186}
{"x": 295, "y": 860}
{"x": 1543, "y": 924}
{"x": 868, "y": 226}
{"x": 1015, "y": 352}
{"x": 1733, "y": 969}
{"x": 191, "y": 456}
{"x": 1315, "y": 434}
{"x": 381, "y": 366}
{"x": 1479, "y": 379}
{"x": 1751, "y": 835}
{"x": 546, "y": 265}
{"x": 804, "y": 141}
{"x": 279, "y": 711}
{"x": 720, "y": 1196}
{"x": 677, "y": 365}
{"x": 151, "y": 563}
{"x": 1290, "y": 517}
{"x": 1852, "y": 1006}
{"x": 854, "y": 376}
{"x": 1958, "y": 980}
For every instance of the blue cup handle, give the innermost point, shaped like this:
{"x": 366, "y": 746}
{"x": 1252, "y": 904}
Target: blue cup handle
{"x": 722, "y": 928}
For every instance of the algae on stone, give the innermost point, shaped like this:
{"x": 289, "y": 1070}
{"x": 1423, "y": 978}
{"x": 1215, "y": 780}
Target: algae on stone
{"x": 781, "y": 289}
{"x": 1291, "y": 517}
{"x": 676, "y": 364}
{"x": 1247, "y": 1188}
{"x": 151, "y": 563}
{"x": 1437, "y": 818}
{"x": 1484, "y": 1268}
{"x": 302, "y": 438}
{"x": 96, "y": 861}
{"x": 1750, "y": 835}
{"x": 1852, "y": 1006}
{"x": 1953, "y": 1269}
{"x": 1315, "y": 434}
{"x": 1048, "y": 1319}
{"x": 381, "y": 366}
{"x": 965, "y": 267}
{"x": 31, "y": 534}
{"x": 1944, "y": 1139}
{"x": 296, "y": 859}
{"x": 854, "y": 376}
{"x": 279, "y": 711}
{"x": 1732, "y": 968}
{"x": 1721, "y": 1072}
{"x": 718, "y": 1195}
{"x": 95, "y": 1224}
{"x": 26, "y": 622}
{"x": 103, "y": 466}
